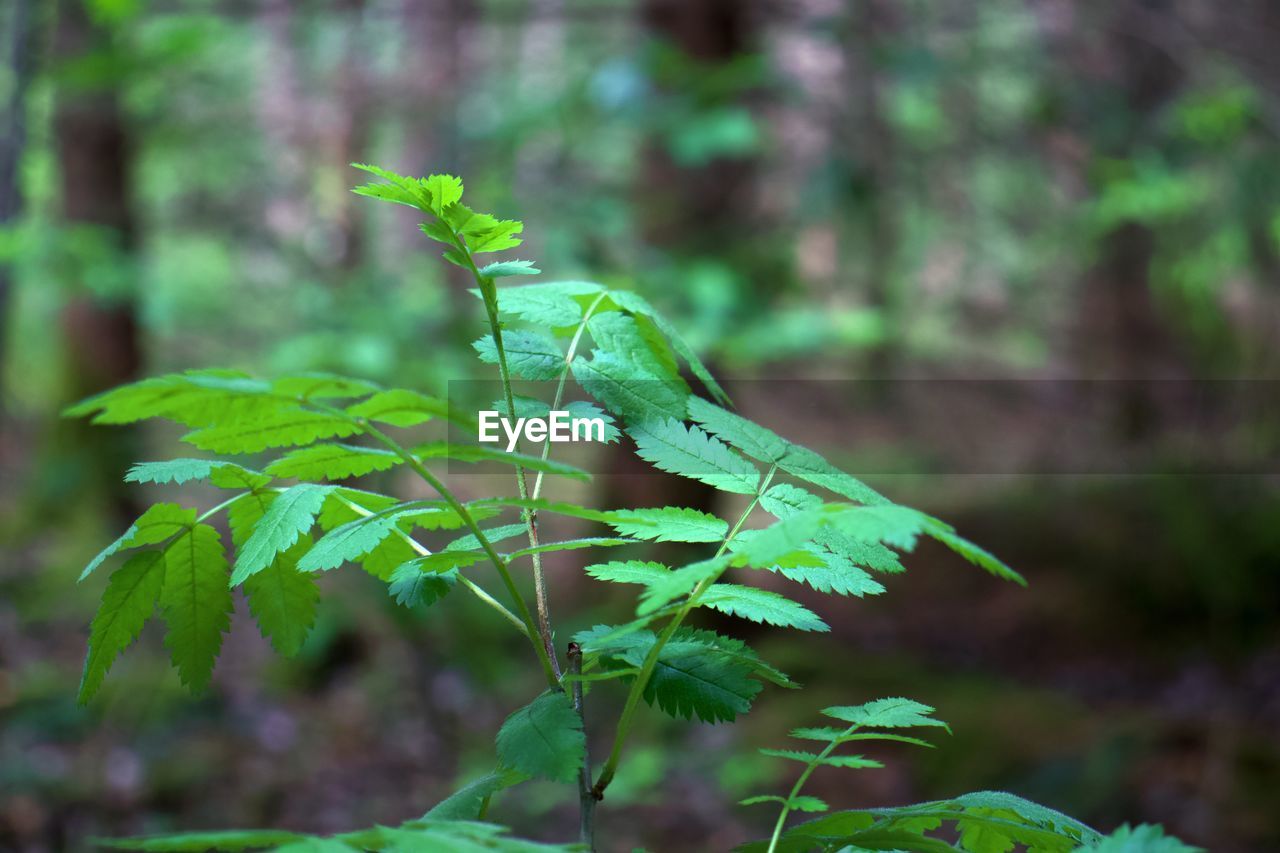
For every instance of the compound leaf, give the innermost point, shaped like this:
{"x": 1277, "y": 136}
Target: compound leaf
{"x": 689, "y": 452}
{"x": 127, "y": 604}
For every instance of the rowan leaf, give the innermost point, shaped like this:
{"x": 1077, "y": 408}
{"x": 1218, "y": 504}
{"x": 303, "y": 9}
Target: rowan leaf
{"x": 471, "y": 453}
{"x": 544, "y": 739}
{"x": 895, "y": 713}
{"x": 630, "y": 391}
{"x": 411, "y": 586}
{"x": 284, "y": 427}
{"x": 530, "y": 355}
{"x": 628, "y": 571}
{"x": 735, "y": 430}
{"x": 288, "y": 517}
{"x": 127, "y": 604}
{"x": 761, "y": 605}
{"x": 812, "y": 468}
{"x": 670, "y": 524}
{"x": 333, "y": 462}
{"x": 400, "y": 407}
{"x": 689, "y": 452}
{"x": 158, "y": 523}
{"x": 195, "y": 603}
{"x": 506, "y": 269}
{"x": 283, "y": 600}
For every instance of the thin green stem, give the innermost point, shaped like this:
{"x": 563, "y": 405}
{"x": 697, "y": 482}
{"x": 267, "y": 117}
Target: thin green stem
{"x": 522, "y": 609}
{"x": 471, "y": 585}
{"x": 651, "y": 659}
{"x": 814, "y": 764}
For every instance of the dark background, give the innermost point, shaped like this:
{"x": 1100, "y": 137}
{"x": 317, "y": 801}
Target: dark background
{"x": 1078, "y": 199}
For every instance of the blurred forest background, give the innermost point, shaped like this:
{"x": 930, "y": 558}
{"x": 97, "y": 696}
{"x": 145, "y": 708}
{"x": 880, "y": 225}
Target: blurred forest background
{"x": 1049, "y": 231}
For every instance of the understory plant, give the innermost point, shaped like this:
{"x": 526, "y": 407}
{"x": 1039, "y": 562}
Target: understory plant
{"x": 292, "y": 514}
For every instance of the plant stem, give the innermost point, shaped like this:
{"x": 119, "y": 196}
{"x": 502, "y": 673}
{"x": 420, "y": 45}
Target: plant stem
{"x": 586, "y": 796}
{"x": 814, "y": 764}
{"x": 422, "y": 550}
{"x": 651, "y": 659}
{"x": 489, "y": 293}
{"x": 522, "y": 609}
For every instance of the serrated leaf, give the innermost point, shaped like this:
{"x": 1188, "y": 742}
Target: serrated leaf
{"x": 691, "y": 679}
{"x": 283, "y": 600}
{"x": 195, "y": 603}
{"x": 855, "y": 762}
{"x": 530, "y": 355}
{"x": 158, "y": 523}
{"x": 400, "y": 407}
{"x": 749, "y": 437}
{"x": 355, "y": 538}
{"x": 625, "y": 337}
{"x": 445, "y": 190}
{"x": 506, "y": 269}
{"x": 628, "y": 390}
{"x": 544, "y": 739}
{"x": 497, "y": 238}
{"x": 323, "y": 386}
{"x": 544, "y": 505}
{"x": 836, "y": 574}
{"x": 628, "y": 571}
{"x": 785, "y": 500}
{"x": 127, "y": 604}
{"x": 812, "y": 468}
{"x": 466, "y": 802}
{"x": 893, "y": 713}
{"x": 689, "y": 452}
{"x": 762, "y": 798}
{"x": 411, "y": 586}
{"x": 637, "y": 304}
{"x": 285, "y": 427}
{"x": 679, "y": 583}
{"x": 288, "y": 517}
{"x": 670, "y": 524}
{"x": 978, "y": 556}
{"x": 333, "y": 462}
{"x": 493, "y": 534}
{"x": 399, "y": 188}
{"x": 216, "y": 471}
{"x": 547, "y": 304}
{"x": 761, "y": 605}
{"x": 807, "y": 804}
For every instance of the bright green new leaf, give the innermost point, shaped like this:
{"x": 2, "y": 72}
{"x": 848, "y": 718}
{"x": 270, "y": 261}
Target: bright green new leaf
{"x": 127, "y": 604}
{"x": 679, "y": 583}
{"x": 444, "y": 189}
{"x": 544, "y": 739}
{"x": 400, "y": 407}
{"x": 628, "y": 571}
{"x": 895, "y": 713}
{"x": 286, "y": 427}
{"x": 506, "y": 269}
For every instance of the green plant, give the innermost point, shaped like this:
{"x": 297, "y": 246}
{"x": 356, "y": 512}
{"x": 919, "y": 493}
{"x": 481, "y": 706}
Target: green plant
{"x": 325, "y": 429}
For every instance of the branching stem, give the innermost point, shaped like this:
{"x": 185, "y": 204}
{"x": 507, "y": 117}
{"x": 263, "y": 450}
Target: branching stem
{"x": 651, "y": 659}
{"x": 813, "y": 764}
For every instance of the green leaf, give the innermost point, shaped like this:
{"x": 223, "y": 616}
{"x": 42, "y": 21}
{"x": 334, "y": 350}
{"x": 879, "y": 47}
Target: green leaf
{"x": 624, "y": 337}
{"x": 751, "y": 438}
{"x": 443, "y": 561}
{"x": 691, "y": 678}
{"x": 826, "y": 733}
{"x": 322, "y": 386}
{"x": 807, "y": 804}
{"x": 195, "y": 603}
{"x": 544, "y": 739}
{"x": 445, "y": 190}
{"x": 127, "y": 604}
{"x": 855, "y": 762}
{"x": 670, "y": 524}
{"x": 198, "y": 842}
{"x": 285, "y": 427}
{"x": 761, "y": 605}
{"x": 355, "y": 538}
{"x": 466, "y": 802}
{"x": 812, "y": 468}
{"x": 762, "y": 798}
{"x": 505, "y": 269}
{"x": 493, "y": 534}
{"x": 636, "y": 304}
{"x": 978, "y": 556}
{"x": 689, "y": 452}
{"x": 283, "y": 600}
{"x": 546, "y": 304}
{"x": 530, "y": 355}
{"x": 544, "y": 505}
{"x": 498, "y": 238}
{"x": 400, "y": 407}
{"x": 895, "y": 713}
{"x": 398, "y": 189}
{"x": 158, "y": 523}
{"x": 411, "y": 586}
{"x": 628, "y": 571}
{"x": 182, "y": 470}
{"x": 785, "y": 500}
{"x": 287, "y": 518}
{"x": 836, "y": 574}
{"x": 333, "y": 462}
{"x": 471, "y": 453}
{"x": 679, "y": 583}
{"x": 629, "y": 390}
